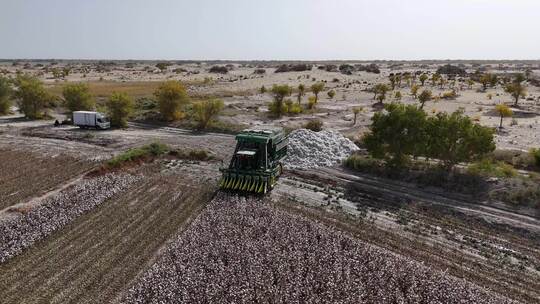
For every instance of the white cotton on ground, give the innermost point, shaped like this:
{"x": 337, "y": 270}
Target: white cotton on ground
{"x": 309, "y": 149}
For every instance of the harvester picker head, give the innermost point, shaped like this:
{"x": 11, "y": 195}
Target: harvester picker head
{"x": 255, "y": 165}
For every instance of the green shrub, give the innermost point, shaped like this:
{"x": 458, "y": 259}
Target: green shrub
{"x": 138, "y": 154}
{"x": 200, "y": 155}
{"x": 489, "y": 168}
{"x": 314, "y": 125}
{"x": 171, "y": 97}
{"x": 77, "y": 97}
{"x": 361, "y": 163}
{"x": 5, "y": 95}
{"x": 331, "y": 94}
{"x": 536, "y": 155}
{"x": 277, "y": 107}
{"x": 206, "y": 110}
{"x": 449, "y": 95}
{"x": 293, "y": 108}
{"x": 146, "y": 104}
{"x": 312, "y": 101}
{"x": 32, "y": 98}
{"x": 119, "y": 107}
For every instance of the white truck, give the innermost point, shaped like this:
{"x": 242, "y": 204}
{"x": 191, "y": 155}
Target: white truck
{"x": 90, "y": 119}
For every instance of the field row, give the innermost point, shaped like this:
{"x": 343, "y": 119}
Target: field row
{"x": 26, "y": 175}
{"x": 245, "y": 251}
{"x": 93, "y": 259}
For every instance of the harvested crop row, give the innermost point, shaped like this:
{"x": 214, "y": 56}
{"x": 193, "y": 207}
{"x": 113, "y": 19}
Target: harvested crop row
{"x": 21, "y": 231}
{"x": 25, "y": 174}
{"x": 241, "y": 250}
{"x": 95, "y": 258}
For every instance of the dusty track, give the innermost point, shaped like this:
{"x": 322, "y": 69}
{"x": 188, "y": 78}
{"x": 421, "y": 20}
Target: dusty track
{"x": 94, "y": 258}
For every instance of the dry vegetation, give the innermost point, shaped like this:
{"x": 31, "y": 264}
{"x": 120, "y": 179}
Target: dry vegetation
{"x": 136, "y": 89}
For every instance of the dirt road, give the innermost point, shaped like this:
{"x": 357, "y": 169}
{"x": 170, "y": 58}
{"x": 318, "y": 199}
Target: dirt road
{"x": 94, "y": 259}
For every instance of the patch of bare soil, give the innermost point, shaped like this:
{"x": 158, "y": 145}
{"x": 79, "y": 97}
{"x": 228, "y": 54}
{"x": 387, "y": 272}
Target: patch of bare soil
{"x": 72, "y": 134}
{"x": 26, "y": 174}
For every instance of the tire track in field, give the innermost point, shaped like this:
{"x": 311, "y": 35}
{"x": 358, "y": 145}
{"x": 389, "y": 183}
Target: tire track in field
{"x": 95, "y": 258}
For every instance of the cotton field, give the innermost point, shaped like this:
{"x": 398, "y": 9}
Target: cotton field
{"x": 241, "y": 250}
{"x": 55, "y": 212}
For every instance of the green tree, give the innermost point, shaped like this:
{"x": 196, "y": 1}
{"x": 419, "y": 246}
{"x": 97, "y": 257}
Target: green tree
{"x": 470, "y": 83}
{"x": 172, "y": 97}
{"x": 162, "y": 66}
{"x": 5, "y": 95}
{"x": 77, "y": 97}
{"x": 57, "y": 73}
{"x": 65, "y": 71}
{"x": 356, "y": 111}
{"x": 435, "y": 78}
{"x": 331, "y": 94}
{"x": 393, "y": 80}
{"x": 380, "y": 91}
{"x": 488, "y": 79}
{"x": 311, "y": 102}
{"x": 262, "y": 90}
{"x": 454, "y": 138}
{"x": 301, "y": 92}
{"x": 414, "y": 91}
{"x": 503, "y": 111}
{"x": 279, "y": 92}
{"x": 119, "y": 108}
{"x": 396, "y": 133}
{"x": 516, "y": 89}
{"x": 424, "y": 97}
{"x": 423, "y": 78}
{"x": 32, "y": 98}
{"x": 316, "y": 88}
{"x": 493, "y": 80}
{"x": 206, "y": 111}
{"x": 398, "y": 96}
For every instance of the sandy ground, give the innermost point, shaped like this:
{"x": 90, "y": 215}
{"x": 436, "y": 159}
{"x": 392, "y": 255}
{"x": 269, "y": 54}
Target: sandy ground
{"x": 245, "y": 105}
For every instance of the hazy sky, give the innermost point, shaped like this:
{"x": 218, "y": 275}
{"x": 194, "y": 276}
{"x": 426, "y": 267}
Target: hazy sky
{"x": 270, "y": 29}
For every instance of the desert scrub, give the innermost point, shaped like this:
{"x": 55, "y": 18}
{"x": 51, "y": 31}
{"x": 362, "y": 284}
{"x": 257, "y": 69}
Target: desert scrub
{"x": 201, "y": 155}
{"x": 535, "y": 153}
{"x": 137, "y": 154}
{"x": 314, "y": 125}
{"x": 489, "y": 168}
{"x": 517, "y": 191}
{"x": 362, "y": 163}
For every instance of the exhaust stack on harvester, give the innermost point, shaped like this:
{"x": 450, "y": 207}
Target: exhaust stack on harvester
{"x": 255, "y": 165}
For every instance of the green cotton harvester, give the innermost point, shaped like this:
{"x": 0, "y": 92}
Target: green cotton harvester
{"x": 256, "y": 163}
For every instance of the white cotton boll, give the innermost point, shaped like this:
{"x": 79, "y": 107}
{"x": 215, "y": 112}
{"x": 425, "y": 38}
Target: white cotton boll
{"x": 309, "y": 149}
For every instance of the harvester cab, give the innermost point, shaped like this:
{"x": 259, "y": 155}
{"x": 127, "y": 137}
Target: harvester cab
{"x": 256, "y": 163}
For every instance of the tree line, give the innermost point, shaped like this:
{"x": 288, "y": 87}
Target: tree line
{"x": 401, "y": 132}
{"x": 173, "y": 101}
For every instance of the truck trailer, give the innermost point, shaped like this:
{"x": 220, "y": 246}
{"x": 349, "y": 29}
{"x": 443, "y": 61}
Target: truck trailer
{"x": 90, "y": 119}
